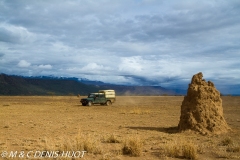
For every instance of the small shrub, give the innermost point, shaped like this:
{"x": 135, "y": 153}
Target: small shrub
{"x": 68, "y": 144}
{"x": 233, "y": 148}
{"x": 91, "y": 146}
{"x": 82, "y": 142}
{"x": 227, "y": 141}
{"x": 173, "y": 151}
{"x": 139, "y": 111}
{"x": 189, "y": 151}
{"x": 112, "y": 139}
{"x": 180, "y": 150}
{"x": 136, "y": 111}
{"x": 133, "y": 147}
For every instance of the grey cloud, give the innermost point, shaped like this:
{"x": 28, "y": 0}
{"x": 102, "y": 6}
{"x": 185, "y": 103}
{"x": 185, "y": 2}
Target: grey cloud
{"x": 137, "y": 42}
{"x": 7, "y": 36}
{"x": 148, "y": 81}
{"x": 1, "y": 55}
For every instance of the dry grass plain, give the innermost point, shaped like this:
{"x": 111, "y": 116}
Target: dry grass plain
{"x": 135, "y": 127}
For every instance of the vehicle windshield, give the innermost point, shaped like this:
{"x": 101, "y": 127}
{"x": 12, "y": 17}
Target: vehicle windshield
{"x": 91, "y": 95}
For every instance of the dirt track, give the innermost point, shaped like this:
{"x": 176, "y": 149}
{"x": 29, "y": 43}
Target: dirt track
{"x": 29, "y": 123}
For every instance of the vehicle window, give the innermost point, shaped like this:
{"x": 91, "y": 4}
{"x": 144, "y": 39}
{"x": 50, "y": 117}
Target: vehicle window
{"x": 91, "y": 96}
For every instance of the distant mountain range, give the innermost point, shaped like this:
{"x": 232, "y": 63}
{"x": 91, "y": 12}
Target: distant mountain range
{"x": 49, "y": 85}
{"x": 146, "y": 90}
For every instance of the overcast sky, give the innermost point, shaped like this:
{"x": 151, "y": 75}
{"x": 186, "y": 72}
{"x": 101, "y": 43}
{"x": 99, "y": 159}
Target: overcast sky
{"x": 141, "y": 42}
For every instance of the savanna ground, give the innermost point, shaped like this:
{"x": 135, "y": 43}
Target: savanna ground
{"x": 135, "y": 127}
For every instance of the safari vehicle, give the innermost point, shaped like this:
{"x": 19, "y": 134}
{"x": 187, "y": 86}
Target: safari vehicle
{"x": 103, "y": 97}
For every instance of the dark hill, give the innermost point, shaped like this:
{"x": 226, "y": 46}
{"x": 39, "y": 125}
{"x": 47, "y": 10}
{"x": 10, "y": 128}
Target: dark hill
{"x": 17, "y": 85}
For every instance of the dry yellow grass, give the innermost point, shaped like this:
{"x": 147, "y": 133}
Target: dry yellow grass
{"x": 62, "y": 123}
{"x": 179, "y": 148}
{"x": 132, "y": 146}
{"x": 112, "y": 139}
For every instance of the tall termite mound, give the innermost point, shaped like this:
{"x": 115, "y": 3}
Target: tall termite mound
{"x": 201, "y": 108}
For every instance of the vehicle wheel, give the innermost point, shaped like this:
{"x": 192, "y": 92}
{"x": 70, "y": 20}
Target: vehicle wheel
{"x": 90, "y": 103}
{"x": 83, "y": 104}
{"x": 108, "y": 103}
